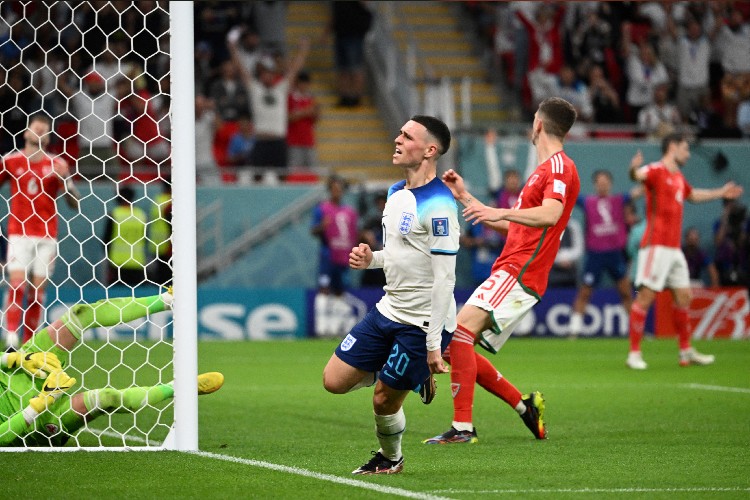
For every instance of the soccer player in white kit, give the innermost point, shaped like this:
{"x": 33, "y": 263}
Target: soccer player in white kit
{"x": 399, "y": 344}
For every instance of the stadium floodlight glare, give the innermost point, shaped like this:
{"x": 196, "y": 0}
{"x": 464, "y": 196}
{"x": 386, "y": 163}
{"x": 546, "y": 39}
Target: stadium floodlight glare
{"x": 116, "y": 82}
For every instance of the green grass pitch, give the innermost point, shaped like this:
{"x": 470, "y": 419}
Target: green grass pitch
{"x": 613, "y": 432}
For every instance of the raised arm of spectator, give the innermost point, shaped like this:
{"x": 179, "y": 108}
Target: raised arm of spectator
{"x": 233, "y": 38}
{"x": 494, "y": 172}
{"x": 299, "y": 59}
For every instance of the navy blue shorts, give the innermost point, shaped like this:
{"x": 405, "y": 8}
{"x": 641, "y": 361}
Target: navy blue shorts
{"x": 597, "y": 263}
{"x": 398, "y": 351}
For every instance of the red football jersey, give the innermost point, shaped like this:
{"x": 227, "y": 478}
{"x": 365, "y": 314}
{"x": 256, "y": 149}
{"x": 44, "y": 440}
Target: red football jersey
{"x": 529, "y": 252}
{"x": 33, "y": 190}
{"x": 665, "y": 195}
{"x": 300, "y": 132}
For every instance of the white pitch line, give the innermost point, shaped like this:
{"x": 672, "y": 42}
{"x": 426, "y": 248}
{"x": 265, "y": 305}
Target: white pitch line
{"x": 388, "y": 490}
{"x": 596, "y": 490}
{"x": 137, "y": 439}
{"x": 721, "y": 388}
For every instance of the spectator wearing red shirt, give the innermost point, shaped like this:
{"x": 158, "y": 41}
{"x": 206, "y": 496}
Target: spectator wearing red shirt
{"x": 303, "y": 113}
{"x": 545, "y": 38}
{"x": 36, "y": 179}
{"x": 145, "y": 150}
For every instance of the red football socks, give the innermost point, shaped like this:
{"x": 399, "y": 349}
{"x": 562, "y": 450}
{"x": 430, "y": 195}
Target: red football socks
{"x": 637, "y": 324}
{"x": 14, "y": 303}
{"x": 493, "y": 382}
{"x": 463, "y": 374}
{"x": 33, "y": 312}
{"x": 682, "y": 325}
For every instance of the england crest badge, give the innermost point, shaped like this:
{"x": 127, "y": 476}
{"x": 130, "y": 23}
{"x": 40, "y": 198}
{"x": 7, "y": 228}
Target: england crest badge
{"x": 404, "y": 225}
{"x": 348, "y": 342}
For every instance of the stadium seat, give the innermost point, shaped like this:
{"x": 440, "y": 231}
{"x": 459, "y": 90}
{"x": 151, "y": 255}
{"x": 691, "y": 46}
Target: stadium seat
{"x": 613, "y": 134}
{"x": 302, "y": 177}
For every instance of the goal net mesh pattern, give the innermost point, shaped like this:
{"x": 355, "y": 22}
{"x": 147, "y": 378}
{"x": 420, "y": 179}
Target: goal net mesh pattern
{"x": 100, "y": 72}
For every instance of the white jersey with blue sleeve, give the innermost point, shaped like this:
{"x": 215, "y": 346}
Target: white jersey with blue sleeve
{"x": 420, "y": 243}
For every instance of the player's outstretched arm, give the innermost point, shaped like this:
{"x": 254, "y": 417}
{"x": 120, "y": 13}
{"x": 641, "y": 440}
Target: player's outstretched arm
{"x": 543, "y": 216}
{"x": 456, "y": 184}
{"x": 729, "y": 191}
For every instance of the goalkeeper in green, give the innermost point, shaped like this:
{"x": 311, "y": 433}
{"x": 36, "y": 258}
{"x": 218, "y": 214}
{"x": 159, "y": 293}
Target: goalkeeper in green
{"x": 35, "y": 408}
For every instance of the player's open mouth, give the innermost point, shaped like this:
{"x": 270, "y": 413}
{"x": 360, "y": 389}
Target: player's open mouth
{"x": 398, "y": 151}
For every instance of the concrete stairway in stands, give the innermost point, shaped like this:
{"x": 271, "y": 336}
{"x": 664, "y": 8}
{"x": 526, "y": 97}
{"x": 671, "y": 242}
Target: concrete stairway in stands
{"x": 352, "y": 142}
{"x": 445, "y": 47}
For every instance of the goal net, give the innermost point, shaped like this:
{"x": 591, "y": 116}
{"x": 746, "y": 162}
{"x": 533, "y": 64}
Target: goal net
{"x": 86, "y": 132}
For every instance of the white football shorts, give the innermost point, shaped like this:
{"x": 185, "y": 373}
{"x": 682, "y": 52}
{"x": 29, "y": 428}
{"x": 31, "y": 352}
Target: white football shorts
{"x": 33, "y": 254}
{"x": 662, "y": 267}
{"x": 504, "y": 298}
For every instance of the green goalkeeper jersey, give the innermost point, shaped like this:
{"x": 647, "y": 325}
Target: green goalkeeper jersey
{"x": 16, "y": 389}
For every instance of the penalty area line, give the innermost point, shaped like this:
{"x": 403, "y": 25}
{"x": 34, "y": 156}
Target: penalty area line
{"x": 389, "y": 490}
{"x": 720, "y": 388}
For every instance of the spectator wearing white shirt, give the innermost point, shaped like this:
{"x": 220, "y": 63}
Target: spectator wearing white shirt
{"x": 644, "y": 73}
{"x": 94, "y": 108}
{"x": 205, "y": 128}
{"x": 693, "y": 60}
{"x": 661, "y": 117}
{"x": 269, "y": 90}
{"x": 733, "y": 44}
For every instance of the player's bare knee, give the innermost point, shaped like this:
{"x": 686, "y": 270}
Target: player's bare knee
{"x": 384, "y": 404}
{"x": 333, "y": 384}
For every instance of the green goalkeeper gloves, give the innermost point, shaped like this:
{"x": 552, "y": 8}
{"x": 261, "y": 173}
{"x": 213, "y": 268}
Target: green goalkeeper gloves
{"x": 56, "y": 384}
{"x": 36, "y": 364}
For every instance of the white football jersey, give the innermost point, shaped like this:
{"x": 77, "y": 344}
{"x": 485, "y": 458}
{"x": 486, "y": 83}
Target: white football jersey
{"x": 418, "y": 225}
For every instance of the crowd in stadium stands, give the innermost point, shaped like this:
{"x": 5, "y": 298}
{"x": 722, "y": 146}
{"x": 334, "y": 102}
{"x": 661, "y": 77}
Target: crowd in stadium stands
{"x": 105, "y": 88}
{"x": 656, "y": 65}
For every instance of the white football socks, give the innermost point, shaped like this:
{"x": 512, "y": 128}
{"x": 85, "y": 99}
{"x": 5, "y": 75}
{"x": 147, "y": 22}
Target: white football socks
{"x": 390, "y": 430}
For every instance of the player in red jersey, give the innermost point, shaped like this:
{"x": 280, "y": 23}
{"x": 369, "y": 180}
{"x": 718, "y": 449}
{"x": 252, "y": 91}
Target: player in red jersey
{"x": 36, "y": 178}
{"x": 519, "y": 276}
{"x": 661, "y": 263}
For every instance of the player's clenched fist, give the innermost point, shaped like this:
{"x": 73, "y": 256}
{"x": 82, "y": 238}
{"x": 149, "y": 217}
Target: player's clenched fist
{"x": 360, "y": 256}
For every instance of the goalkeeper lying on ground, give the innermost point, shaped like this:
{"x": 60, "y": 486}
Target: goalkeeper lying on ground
{"x": 34, "y": 407}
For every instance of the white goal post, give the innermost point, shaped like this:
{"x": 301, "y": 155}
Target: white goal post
{"x": 48, "y": 61}
{"x": 184, "y": 223}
